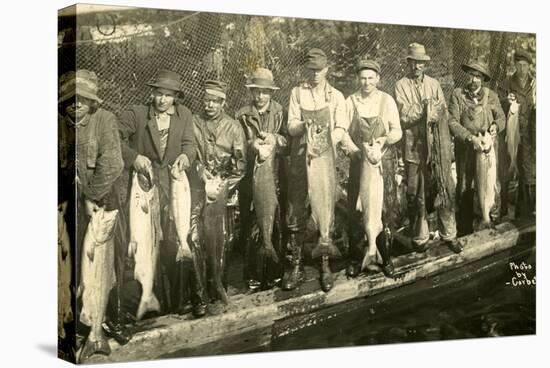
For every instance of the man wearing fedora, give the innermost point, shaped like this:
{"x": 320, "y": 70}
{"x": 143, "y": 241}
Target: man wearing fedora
{"x": 155, "y": 137}
{"x": 89, "y": 132}
{"x": 473, "y": 109}
{"x": 263, "y": 121}
{"x": 220, "y": 166}
{"x": 374, "y": 119}
{"x": 315, "y": 95}
{"x": 517, "y": 95}
{"x": 427, "y": 152}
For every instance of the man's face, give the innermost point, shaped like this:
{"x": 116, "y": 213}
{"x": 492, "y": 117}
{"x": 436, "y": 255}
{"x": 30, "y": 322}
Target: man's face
{"x": 213, "y": 105}
{"x": 261, "y": 96}
{"x": 368, "y": 80}
{"x": 416, "y": 67}
{"x": 316, "y": 76}
{"x": 163, "y": 99}
{"x": 78, "y": 107}
{"x": 474, "y": 80}
{"x": 522, "y": 68}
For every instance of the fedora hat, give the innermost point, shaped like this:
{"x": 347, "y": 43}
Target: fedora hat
{"x": 167, "y": 79}
{"x": 417, "y": 52}
{"x": 478, "y": 66}
{"x": 82, "y": 83}
{"x": 262, "y": 78}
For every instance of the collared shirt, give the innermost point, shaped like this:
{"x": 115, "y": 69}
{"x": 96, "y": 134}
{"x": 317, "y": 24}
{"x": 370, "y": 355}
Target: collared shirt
{"x": 163, "y": 126}
{"x": 308, "y": 98}
{"x": 380, "y": 104}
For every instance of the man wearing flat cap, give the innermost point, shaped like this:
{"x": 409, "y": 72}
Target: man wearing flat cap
{"x": 264, "y": 122}
{"x": 518, "y": 145}
{"x": 374, "y": 122}
{"x": 317, "y": 121}
{"x": 473, "y": 110}
{"x": 156, "y": 137}
{"x": 220, "y": 166}
{"x": 427, "y": 152}
{"x": 89, "y": 132}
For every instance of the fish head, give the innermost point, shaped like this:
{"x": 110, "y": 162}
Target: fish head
{"x": 486, "y": 142}
{"x": 144, "y": 182}
{"x": 373, "y": 152}
{"x": 103, "y": 223}
{"x": 176, "y": 173}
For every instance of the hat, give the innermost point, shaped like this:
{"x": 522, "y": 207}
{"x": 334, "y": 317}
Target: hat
{"x": 316, "y": 59}
{"x": 262, "y": 78}
{"x": 215, "y": 88}
{"x": 477, "y": 66}
{"x": 523, "y": 55}
{"x": 417, "y": 52}
{"x": 367, "y": 64}
{"x": 82, "y": 83}
{"x": 167, "y": 79}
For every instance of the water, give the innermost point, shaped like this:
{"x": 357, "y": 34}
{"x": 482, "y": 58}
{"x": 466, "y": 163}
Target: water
{"x": 481, "y": 305}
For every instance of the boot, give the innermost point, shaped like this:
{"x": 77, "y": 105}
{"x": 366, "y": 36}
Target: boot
{"x": 295, "y": 275}
{"x": 384, "y": 243}
{"x": 326, "y": 274}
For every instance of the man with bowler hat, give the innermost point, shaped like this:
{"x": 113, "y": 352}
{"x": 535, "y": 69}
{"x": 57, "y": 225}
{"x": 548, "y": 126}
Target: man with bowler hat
{"x": 427, "y": 152}
{"x": 473, "y": 109}
{"x": 155, "y": 137}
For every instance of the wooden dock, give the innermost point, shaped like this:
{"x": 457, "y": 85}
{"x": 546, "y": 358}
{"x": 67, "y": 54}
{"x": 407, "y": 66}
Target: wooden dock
{"x": 249, "y": 320}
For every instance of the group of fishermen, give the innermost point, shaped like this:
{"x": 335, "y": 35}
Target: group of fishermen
{"x": 416, "y": 124}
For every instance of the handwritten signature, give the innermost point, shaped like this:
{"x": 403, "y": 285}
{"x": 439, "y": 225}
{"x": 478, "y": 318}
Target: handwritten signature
{"x": 522, "y": 274}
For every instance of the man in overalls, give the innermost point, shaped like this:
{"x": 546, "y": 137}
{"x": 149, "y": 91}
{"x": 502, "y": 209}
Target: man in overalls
{"x": 472, "y": 109}
{"x": 374, "y": 119}
{"x": 517, "y": 92}
{"x": 156, "y": 137}
{"x": 427, "y": 152}
{"x": 89, "y": 133}
{"x": 264, "y": 122}
{"x": 220, "y": 166}
{"x": 313, "y": 102}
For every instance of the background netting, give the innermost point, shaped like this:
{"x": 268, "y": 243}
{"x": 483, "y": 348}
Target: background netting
{"x": 126, "y": 48}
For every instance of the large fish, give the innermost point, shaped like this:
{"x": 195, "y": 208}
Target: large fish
{"x": 97, "y": 278}
{"x": 486, "y": 178}
{"x": 180, "y": 203}
{"x": 215, "y": 234}
{"x": 321, "y": 176}
{"x": 512, "y": 135}
{"x": 65, "y": 312}
{"x": 371, "y": 199}
{"x": 264, "y": 193}
{"x": 145, "y": 236}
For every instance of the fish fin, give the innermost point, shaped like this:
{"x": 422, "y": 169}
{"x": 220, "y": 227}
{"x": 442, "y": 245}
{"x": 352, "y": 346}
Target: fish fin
{"x": 183, "y": 252}
{"x": 221, "y": 291}
{"x": 132, "y": 249}
{"x": 358, "y": 205}
{"x": 147, "y": 305}
{"x": 327, "y": 248}
{"x": 95, "y": 347}
{"x": 269, "y": 253}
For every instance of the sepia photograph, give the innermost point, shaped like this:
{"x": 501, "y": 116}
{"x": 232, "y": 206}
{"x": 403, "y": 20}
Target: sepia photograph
{"x": 232, "y": 183}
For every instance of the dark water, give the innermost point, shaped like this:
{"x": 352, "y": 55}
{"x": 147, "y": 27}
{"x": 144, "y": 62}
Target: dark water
{"x": 481, "y": 305}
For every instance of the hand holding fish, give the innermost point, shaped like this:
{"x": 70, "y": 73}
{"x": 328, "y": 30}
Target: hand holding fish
{"x": 493, "y": 130}
{"x": 90, "y": 207}
{"x": 182, "y": 162}
{"x": 143, "y": 165}
{"x": 212, "y": 188}
{"x": 476, "y": 142}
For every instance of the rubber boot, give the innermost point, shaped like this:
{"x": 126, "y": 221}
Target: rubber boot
{"x": 327, "y": 281}
{"x": 295, "y": 275}
{"x": 384, "y": 243}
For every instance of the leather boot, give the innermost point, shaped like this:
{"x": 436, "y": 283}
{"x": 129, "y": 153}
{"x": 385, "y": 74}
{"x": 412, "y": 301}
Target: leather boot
{"x": 384, "y": 243}
{"x": 294, "y": 276}
{"x": 327, "y": 281}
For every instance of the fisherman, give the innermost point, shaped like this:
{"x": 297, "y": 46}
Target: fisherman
{"x": 517, "y": 95}
{"x": 155, "y": 138}
{"x": 220, "y": 166}
{"x": 473, "y": 110}
{"x": 315, "y": 107}
{"x": 427, "y": 152}
{"x": 90, "y": 158}
{"x": 374, "y": 120}
{"x": 264, "y": 122}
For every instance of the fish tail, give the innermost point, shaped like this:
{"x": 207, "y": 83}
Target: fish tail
{"x": 269, "y": 252}
{"x": 91, "y": 347}
{"x": 325, "y": 247}
{"x": 221, "y": 291}
{"x": 147, "y": 305}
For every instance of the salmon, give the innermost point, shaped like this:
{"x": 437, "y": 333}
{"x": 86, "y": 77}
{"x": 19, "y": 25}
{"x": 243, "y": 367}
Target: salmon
{"x": 486, "y": 178}
{"x": 321, "y": 176}
{"x": 215, "y": 239}
{"x": 180, "y": 203}
{"x": 265, "y": 199}
{"x": 145, "y": 236}
{"x": 512, "y": 135}
{"x": 97, "y": 278}
{"x": 371, "y": 199}
{"x": 64, "y": 264}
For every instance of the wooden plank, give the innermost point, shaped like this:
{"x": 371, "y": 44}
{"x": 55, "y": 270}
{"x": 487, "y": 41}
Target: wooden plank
{"x": 258, "y": 312}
